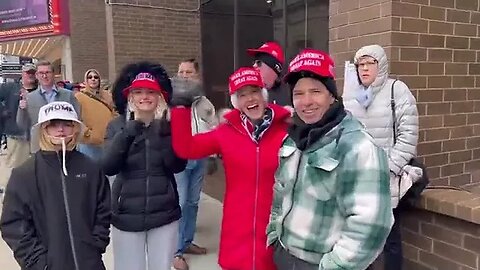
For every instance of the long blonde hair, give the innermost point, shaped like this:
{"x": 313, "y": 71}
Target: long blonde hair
{"x": 162, "y": 107}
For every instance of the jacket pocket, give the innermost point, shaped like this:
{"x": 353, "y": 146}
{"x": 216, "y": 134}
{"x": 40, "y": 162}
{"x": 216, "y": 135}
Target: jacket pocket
{"x": 320, "y": 178}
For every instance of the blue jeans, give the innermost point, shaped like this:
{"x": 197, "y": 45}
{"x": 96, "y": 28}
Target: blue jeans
{"x": 189, "y": 186}
{"x": 92, "y": 151}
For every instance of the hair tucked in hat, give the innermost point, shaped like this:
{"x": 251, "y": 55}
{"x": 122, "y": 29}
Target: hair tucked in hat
{"x": 128, "y": 75}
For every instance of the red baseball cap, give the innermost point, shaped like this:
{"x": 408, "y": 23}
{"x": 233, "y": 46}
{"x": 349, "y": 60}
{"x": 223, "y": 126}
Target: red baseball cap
{"x": 272, "y": 48}
{"x": 317, "y": 62}
{"x": 146, "y": 81}
{"x": 244, "y": 76}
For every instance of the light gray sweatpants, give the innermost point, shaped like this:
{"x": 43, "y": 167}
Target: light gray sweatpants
{"x": 136, "y": 250}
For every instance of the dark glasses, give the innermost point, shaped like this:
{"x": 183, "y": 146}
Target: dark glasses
{"x": 93, "y": 77}
{"x": 257, "y": 63}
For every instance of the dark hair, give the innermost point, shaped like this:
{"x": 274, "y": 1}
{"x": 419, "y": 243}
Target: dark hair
{"x": 195, "y": 63}
{"x": 128, "y": 74}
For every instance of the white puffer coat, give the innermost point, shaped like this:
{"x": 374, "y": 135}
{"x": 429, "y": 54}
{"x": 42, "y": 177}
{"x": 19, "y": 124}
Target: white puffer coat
{"x": 377, "y": 118}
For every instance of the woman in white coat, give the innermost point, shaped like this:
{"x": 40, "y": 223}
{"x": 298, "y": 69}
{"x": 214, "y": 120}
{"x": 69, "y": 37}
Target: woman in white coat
{"x": 370, "y": 102}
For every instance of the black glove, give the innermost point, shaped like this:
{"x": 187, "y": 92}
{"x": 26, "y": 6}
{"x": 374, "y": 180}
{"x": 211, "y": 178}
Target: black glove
{"x": 134, "y": 128}
{"x": 212, "y": 166}
{"x": 185, "y": 92}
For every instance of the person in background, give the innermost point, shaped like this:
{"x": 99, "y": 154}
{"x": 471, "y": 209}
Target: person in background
{"x": 190, "y": 181}
{"x": 96, "y": 114}
{"x": 370, "y": 102}
{"x": 248, "y": 142}
{"x": 56, "y": 212}
{"x": 331, "y": 207}
{"x": 269, "y": 59}
{"x": 139, "y": 152}
{"x": 47, "y": 92}
{"x": 17, "y": 138}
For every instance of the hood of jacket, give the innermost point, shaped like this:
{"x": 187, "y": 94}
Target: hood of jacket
{"x": 378, "y": 53}
{"x": 87, "y": 87}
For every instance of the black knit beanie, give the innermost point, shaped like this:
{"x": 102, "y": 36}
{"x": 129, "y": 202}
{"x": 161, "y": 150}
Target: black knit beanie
{"x": 270, "y": 61}
{"x": 327, "y": 81}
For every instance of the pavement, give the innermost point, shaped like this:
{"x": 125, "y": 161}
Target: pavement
{"x": 207, "y": 234}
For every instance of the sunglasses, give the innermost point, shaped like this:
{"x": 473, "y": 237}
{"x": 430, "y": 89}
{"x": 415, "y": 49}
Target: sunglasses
{"x": 257, "y": 63}
{"x": 93, "y": 77}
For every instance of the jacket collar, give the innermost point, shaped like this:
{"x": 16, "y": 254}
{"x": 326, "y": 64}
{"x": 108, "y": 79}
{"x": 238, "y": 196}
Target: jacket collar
{"x": 347, "y": 125}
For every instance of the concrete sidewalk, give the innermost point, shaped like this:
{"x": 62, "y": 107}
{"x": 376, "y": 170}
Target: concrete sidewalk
{"x": 208, "y": 231}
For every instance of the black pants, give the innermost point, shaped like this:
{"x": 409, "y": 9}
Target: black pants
{"x": 393, "y": 254}
{"x": 286, "y": 261}
{"x": 392, "y": 251}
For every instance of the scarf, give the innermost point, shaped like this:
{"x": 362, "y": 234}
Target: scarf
{"x": 364, "y": 96}
{"x": 304, "y": 135}
{"x": 256, "y": 131}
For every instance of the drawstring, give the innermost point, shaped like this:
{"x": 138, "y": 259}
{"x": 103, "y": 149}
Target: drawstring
{"x": 64, "y": 153}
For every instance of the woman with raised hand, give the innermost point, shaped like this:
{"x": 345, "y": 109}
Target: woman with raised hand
{"x": 248, "y": 142}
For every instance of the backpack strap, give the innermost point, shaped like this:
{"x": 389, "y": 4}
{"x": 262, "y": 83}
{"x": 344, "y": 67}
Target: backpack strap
{"x": 394, "y": 117}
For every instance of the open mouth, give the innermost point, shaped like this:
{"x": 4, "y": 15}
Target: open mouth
{"x": 145, "y": 102}
{"x": 309, "y": 111}
{"x": 252, "y": 107}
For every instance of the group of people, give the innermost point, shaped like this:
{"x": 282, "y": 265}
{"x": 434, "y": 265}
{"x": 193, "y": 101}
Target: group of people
{"x": 312, "y": 176}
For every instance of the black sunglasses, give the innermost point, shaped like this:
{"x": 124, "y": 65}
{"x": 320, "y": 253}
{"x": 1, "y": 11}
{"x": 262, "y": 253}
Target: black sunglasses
{"x": 93, "y": 77}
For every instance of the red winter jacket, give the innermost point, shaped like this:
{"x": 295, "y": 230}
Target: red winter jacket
{"x": 249, "y": 175}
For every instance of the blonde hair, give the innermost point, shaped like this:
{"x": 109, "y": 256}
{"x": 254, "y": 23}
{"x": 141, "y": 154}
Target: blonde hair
{"x": 160, "y": 111}
{"x": 46, "y": 142}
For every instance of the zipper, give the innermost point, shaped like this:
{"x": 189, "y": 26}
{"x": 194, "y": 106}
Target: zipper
{"x": 147, "y": 169}
{"x": 292, "y": 197}
{"x": 256, "y": 192}
{"x": 255, "y": 206}
{"x": 68, "y": 214}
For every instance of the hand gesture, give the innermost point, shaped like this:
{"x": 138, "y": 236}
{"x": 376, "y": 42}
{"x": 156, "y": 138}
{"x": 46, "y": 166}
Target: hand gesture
{"x": 23, "y": 101}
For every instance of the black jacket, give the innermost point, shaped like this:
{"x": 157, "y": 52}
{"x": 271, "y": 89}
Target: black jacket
{"x": 280, "y": 95}
{"x": 10, "y": 97}
{"x": 34, "y": 222}
{"x": 144, "y": 193}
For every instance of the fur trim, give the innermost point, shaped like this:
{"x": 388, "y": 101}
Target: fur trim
{"x": 128, "y": 74}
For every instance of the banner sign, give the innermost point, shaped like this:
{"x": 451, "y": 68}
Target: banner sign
{"x": 23, "y": 13}
{"x": 31, "y": 18}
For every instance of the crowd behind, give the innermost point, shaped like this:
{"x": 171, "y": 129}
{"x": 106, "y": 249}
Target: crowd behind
{"x": 314, "y": 176}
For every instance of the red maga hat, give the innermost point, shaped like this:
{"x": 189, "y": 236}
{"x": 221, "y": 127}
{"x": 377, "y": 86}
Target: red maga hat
{"x": 272, "y": 48}
{"x": 317, "y": 62}
{"x": 244, "y": 76}
{"x": 146, "y": 81}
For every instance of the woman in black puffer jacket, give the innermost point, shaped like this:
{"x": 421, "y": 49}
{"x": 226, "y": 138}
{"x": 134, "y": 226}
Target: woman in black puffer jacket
{"x": 139, "y": 151}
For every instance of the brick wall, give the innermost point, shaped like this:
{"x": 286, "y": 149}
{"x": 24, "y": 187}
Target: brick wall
{"x": 434, "y": 241}
{"x": 88, "y": 37}
{"x": 155, "y": 34}
{"x": 432, "y": 46}
{"x": 355, "y": 23}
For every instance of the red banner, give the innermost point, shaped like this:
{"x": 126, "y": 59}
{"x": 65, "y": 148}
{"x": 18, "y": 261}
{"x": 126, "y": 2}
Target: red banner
{"x": 29, "y": 21}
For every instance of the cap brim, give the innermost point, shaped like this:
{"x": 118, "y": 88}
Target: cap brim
{"x": 253, "y": 52}
{"x": 64, "y": 119}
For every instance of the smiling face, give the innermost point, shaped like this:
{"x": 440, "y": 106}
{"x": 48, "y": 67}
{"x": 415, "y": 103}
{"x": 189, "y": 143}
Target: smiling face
{"x": 251, "y": 102}
{"x": 367, "y": 68}
{"x": 311, "y": 99}
{"x": 45, "y": 75}
{"x": 145, "y": 100}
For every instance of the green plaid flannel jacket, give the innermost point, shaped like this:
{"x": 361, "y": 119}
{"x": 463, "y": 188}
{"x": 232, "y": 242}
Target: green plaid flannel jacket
{"x": 331, "y": 203}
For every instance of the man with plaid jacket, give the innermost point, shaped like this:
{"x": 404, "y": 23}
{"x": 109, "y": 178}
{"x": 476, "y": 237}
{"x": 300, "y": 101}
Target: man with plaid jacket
{"x": 331, "y": 208}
